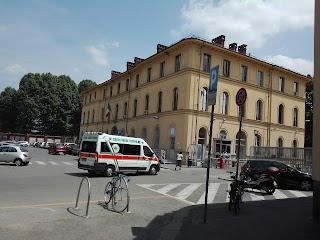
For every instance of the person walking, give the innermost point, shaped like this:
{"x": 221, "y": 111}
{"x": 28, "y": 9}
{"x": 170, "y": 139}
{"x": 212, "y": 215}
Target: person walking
{"x": 179, "y": 160}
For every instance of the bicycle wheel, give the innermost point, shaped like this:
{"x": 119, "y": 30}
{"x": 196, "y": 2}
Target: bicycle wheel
{"x": 120, "y": 199}
{"x": 236, "y": 205}
{"x": 108, "y": 192}
{"x": 121, "y": 181}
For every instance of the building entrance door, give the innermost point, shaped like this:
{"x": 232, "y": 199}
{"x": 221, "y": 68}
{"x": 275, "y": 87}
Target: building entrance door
{"x": 172, "y": 142}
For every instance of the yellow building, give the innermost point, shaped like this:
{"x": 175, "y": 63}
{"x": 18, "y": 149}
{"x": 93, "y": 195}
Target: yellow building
{"x": 163, "y": 99}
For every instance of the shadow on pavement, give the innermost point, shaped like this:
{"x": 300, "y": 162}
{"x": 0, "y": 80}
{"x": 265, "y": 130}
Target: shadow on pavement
{"x": 263, "y": 220}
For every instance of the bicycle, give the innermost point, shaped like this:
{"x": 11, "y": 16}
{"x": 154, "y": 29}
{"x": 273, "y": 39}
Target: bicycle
{"x": 235, "y": 194}
{"x": 117, "y": 193}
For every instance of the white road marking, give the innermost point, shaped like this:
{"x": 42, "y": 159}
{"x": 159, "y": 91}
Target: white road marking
{"x": 212, "y": 191}
{"x": 298, "y": 193}
{"x": 279, "y": 195}
{"x": 40, "y": 162}
{"x": 188, "y": 191}
{"x": 53, "y": 163}
{"x": 167, "y": 188}
{"x": 68, "y": 163}
{"x": 256, "y": 196}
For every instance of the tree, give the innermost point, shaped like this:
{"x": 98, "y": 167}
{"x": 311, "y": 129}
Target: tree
{"x": 85, "y": 84}
{"x": 309, "y": 114}
{"x": 8, "y": 112}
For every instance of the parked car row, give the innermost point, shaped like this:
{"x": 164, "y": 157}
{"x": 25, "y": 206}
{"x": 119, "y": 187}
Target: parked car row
{"x": 13, "y": 142}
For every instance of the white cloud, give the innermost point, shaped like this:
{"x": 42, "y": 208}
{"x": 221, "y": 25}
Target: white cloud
{"x": 15, "y": 69}
{"x": 75, "y": 69}
{"x": 299, "y": 65}
{"x": 3, "y": 28}
{"x": 98, "y": 54}
{"x": 252, "y": 22}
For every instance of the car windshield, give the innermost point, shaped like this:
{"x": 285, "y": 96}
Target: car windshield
{"x": 23, "y": 149}
{"x": 60, "y": 146}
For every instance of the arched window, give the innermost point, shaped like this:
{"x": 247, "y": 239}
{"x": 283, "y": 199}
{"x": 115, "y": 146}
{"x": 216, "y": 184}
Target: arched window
{"x": 203, "y": 99}
{"x": 175, "y": 99}
{"x": 294, "y": 145}
{"x": 156, "y": 137}
{"x": 88, "y": 117}
{"x": 257, "y": 140}
{"x": 114, "y": 131}
{"x": 280, "y": 146}
{"x": 295, "y": 117}
{"x": 93, "y": 112}
{"x": 223, "y": 134}
{"x": 280, "y": 114}
{"x": 84, "y": 117}
{"x": 146, "y": 108}
{"x": 135, "y": 107}
{"x": 159, "y": 101}
{"x": 259, "y": 110}
{"x": 224, "y": 103}
{"x": 125, "y": 110}
{"x": 202, "y": 136}
{"x": 144, "y": 133}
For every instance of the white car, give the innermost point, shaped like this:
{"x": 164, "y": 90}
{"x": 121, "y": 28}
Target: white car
{"x": 24, "y": 143}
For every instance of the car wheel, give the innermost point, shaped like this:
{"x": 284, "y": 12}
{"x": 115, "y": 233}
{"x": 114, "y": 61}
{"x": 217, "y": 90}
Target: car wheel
{"x": 305, "y": 185}
{"x": 153, "y": 170}
{"x": 18, "y": 162}
{"x": 109, "y": 171}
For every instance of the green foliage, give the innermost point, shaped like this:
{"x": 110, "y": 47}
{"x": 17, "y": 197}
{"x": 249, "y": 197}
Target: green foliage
{"x": 85, "y": 84}
{"x": 44, "y": 102}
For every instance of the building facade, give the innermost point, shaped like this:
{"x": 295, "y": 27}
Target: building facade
{"x": 163, "y": 99}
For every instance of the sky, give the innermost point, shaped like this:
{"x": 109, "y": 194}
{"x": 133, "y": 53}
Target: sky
{"x": 89, "y": 39}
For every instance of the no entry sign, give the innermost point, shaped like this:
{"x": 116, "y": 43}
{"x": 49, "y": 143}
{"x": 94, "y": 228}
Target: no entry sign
{"x": 241, "y": 97}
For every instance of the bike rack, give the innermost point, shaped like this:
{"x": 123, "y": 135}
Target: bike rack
{"x": 89, "y": 191}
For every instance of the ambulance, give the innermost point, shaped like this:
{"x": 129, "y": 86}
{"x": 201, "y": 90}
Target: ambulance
{"x": 107, "y": 154}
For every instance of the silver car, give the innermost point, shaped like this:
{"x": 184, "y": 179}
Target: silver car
{"x": 14, "y": 154}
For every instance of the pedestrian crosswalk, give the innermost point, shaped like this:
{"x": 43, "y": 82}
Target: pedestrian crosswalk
{"x": 52, "y": 163}
{"x": 194, "y": 193}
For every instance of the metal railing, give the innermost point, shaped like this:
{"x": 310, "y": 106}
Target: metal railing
{"x": 88, "y": 201}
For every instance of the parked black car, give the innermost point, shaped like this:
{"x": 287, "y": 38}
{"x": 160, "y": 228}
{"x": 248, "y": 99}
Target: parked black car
{"x": 287, "y": 176}
{"x": 70, "y": 148}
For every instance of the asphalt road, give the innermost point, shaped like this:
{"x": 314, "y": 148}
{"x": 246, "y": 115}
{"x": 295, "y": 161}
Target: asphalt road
{"x": 37, "y": 201}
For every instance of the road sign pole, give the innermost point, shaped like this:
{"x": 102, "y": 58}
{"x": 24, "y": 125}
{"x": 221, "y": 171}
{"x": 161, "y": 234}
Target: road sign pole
{"x": 208, "y": 167}
{"x": 239, "y": 137}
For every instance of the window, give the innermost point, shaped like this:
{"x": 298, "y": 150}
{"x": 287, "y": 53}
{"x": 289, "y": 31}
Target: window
{"x": 149, "y": 75}
{"x": 281, "y": 84}
{"x": 128, "y": 149}
{"x": 147, "y": 151}
{"x": 257, "y": 140}
{"x": 260, "y": 79}
{"x": 118, "y": 88}
{"x": 280, "y": 114}
{"x": 294, "y": 145}
{"x": 137, "y": 80}
{"x": 111, "y": 91}
{"x": 127, "y": 85}
{"x": 177, "y": 63}
{"x": 162, "y": 69}
{"x": 125, "y": 110}
{"x": 88, "y": 146}
{"x": 84, "y": 117}
{"x": 88, "y": 117}
{"x": 104, "y": 148}
{"x": 146, "y": 108}
{"x": 203, "y": 99}
{"x": 226, "y": 68}
{"x": 135, "y": 108}
{"x": 117, "y": 111}
{"x": 280, "y": 145}
{"x": 159, "y": 101}
{"x": 295, "y": 88}
{"x": 132, "y": 132}
{"x": 85, "y": 99}
{"x": 144, "y": 133}
{"x": 206, "y": 62}
{"x": 244, "y": 70}
{"x": 90, "y": 98}
{"x": 156, "y": 137}
{"x": 295, "y": 117}
{"x": 223, "y": 134}
{"x": 175, "y": 99}
{"x": 104, "y": 93}
{"x": 224, "y": 103}
{"x": 93, "y": 112}
{"x": 202, "y": 137}
{"x": 259, "y": 110}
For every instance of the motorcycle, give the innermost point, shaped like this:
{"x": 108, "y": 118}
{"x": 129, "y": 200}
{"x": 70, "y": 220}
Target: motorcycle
{"x": 263, "y": 181}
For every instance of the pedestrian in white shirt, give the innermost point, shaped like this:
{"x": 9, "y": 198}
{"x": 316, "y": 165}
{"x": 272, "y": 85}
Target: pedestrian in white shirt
{"x": 179, "y": 160}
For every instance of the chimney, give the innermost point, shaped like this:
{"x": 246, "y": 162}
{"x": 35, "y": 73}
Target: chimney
{"x": 130, "y": 65}
{"x": 161, "y": 47}
{"x": 137, "y": 60}
{"x": 242, "y": 49}
{"x": 115, "y": 73}
{"x": 233, "y": 46}
{"x": 219, "y": 40}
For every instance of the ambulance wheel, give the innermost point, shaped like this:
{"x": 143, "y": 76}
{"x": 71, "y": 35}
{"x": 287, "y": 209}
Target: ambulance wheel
{"x": 109, "y": 171}
{"x": 153, "y": 170}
